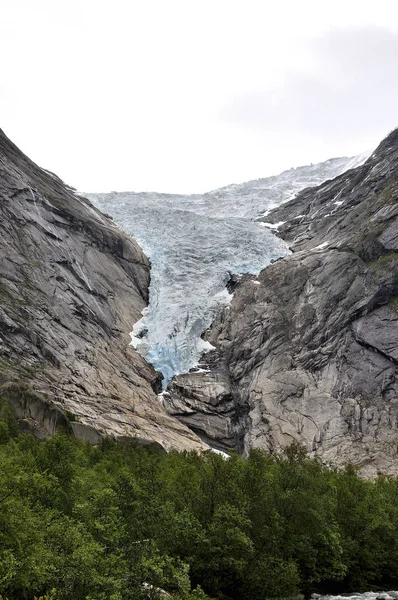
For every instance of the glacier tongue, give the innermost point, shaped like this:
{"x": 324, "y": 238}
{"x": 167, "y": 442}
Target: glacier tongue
{"x": 192, "y": 257}
{"x": 195, "y": 243}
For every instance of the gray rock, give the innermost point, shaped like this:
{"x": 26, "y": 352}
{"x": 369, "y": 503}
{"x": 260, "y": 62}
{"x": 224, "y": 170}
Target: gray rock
{"x": 310, "y": 354}
{"x": 71, "y": 287}
{"x": 86, "y": 433}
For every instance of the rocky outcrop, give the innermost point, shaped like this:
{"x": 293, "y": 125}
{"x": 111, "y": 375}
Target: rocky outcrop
{"x": 308, "y": 351}
{"x": 71, "y": 287}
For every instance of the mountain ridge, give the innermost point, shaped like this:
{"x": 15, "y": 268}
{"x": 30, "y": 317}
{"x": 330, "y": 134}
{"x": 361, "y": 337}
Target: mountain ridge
{"x": 71, "y": 286}
{"x": 308, "y": 354}
{"x": 195, "y": 243}
{"x": 304, "y": 352}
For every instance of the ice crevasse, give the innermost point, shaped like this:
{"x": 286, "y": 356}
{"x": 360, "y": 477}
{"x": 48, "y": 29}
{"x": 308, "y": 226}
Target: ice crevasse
{"x": 195, "y": 243}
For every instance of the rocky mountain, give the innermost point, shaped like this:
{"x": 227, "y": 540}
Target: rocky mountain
{"x": 195, "y": 242}
{"x": 71, "y": 287}
{"x": 304, "y": 349}
{"x": 307, "y": 351}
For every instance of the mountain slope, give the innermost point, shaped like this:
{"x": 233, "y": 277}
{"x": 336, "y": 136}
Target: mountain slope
{"x": 195, "y": 242}
{"x": 308, "y": 351}
{"x": 71, "y": 286}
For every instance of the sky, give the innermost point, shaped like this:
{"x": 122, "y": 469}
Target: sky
{"x": 186, "y": 96}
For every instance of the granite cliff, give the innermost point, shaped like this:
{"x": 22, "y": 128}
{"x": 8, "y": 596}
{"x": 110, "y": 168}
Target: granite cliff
{"x": 195, "y": 242}
{"x": 71, "y": 287}
{"x": 308, "y": 350}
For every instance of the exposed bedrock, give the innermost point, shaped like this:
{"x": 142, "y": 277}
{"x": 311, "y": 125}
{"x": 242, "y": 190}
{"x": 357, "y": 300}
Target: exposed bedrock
{"x": 71, "y": 287}
{"x": 308, "y": 351}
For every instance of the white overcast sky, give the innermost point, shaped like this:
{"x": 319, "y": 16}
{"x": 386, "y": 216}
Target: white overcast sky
{"x": 187, "y": 96}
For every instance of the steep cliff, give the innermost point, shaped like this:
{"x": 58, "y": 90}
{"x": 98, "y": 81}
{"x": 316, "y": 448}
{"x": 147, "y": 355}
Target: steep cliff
{"x": 308, "y": 351}
{"x": 71, "y": 287}
{"x": 195, "y": 242}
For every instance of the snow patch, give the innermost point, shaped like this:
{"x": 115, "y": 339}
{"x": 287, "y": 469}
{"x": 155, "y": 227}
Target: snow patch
{"x": 138, "y": 330}
{"x": 220, "y": 452}
{"x": 134, "y": 341}
{"x": 323, "y": 245}
{"x": 273, "y": 225}
{"x": 207, "y": 347}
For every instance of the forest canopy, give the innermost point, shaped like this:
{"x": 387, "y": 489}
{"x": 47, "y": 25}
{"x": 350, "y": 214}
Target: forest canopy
{"x": 120, "y": 522}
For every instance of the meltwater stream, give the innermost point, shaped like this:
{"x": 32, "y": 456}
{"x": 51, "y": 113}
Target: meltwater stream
{"x": 195, "y": 243}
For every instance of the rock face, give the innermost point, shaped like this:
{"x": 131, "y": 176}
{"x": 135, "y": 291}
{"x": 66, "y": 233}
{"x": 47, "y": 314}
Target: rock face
{"x": 71, "y": 287}
{"x": 195, "y": 242}
{"x": 308, "y": 351}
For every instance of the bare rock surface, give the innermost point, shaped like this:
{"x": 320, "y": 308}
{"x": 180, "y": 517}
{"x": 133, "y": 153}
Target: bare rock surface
{"x": 308, "y": 351}
{"x": 71, "y": 287}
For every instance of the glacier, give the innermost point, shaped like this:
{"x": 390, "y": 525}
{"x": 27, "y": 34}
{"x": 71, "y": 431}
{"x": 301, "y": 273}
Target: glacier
{"x": 195, "y": 243}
